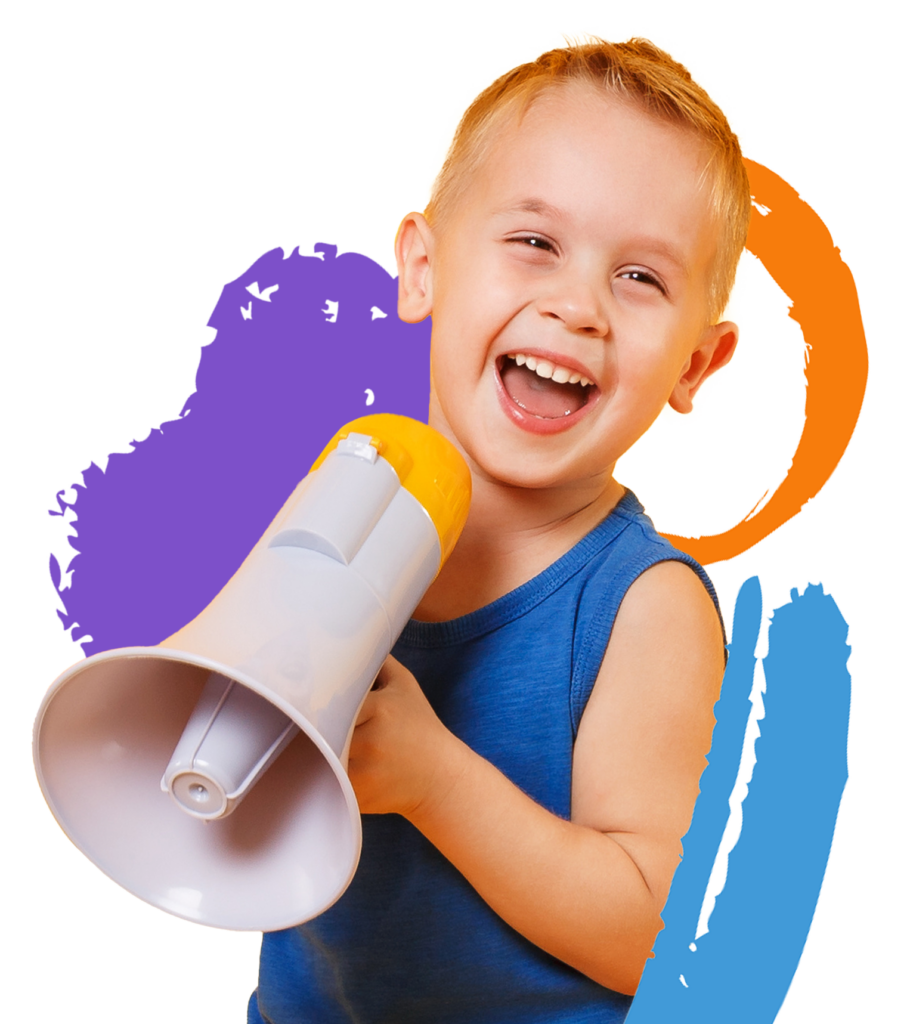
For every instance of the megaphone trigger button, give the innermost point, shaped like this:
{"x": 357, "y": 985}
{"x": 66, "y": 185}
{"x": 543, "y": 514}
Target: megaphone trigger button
{"x": 360, "y": 445}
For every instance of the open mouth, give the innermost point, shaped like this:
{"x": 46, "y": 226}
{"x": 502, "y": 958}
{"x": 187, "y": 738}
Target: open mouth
{"x": 542, "y": 388}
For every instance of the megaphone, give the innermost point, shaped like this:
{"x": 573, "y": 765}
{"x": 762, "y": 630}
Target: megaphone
{"x": 207, "y": 775}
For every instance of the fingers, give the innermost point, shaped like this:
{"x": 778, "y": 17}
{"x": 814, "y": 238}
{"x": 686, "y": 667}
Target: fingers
{"x": 393, "y": 673}
{"x": 381, "y": 681}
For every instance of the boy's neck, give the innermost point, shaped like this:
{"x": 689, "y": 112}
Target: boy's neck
{"x": 512, "y": 534}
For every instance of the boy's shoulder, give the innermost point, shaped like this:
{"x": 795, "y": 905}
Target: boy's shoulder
{"x": 626, "y": 544}
{"x": 629, "y": 566}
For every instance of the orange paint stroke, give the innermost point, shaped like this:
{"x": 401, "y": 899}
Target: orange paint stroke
{"x": 796, "y": 249}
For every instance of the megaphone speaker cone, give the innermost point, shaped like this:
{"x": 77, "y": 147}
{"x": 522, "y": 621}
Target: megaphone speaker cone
{"x": 243, "y": 717}
{"x": 287, "y": 851}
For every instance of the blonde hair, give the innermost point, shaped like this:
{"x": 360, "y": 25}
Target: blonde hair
{"x": 636, "y": 70}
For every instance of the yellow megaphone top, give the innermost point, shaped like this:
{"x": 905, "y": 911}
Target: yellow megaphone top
{"x": 428, "y": 466}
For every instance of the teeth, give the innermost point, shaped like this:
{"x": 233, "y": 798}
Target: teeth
{"x": 544, "y": 368}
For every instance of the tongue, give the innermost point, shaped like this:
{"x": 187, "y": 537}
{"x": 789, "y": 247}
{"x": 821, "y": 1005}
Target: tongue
{"x": 540, "y": 396}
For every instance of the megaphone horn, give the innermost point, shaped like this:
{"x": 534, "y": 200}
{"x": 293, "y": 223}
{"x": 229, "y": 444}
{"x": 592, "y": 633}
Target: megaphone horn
{"x": 207, "y": 775}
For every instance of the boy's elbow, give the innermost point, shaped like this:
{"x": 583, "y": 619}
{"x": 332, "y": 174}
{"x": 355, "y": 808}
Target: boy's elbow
{"x": 620, "y": 962}
{"x": 620, "y": 977}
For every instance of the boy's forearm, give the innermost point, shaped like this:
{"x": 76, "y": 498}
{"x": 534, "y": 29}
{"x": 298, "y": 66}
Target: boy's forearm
{"x": 573, "y": 891}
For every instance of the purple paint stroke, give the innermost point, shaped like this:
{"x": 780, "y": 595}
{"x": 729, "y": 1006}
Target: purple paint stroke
{"x": 166, "y": 525}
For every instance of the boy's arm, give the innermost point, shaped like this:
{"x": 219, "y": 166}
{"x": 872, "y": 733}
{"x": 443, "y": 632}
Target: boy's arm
{"x": 589, "y": 891}
{"x": 646, "y": 731}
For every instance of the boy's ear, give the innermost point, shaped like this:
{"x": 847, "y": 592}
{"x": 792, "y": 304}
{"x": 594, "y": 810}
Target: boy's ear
{"x": 413, "y": 253}
{"x": 714, "y": 351}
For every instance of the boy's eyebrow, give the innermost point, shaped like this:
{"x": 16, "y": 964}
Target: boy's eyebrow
{"x": 532, "y": 205}
{"x": 660, "y": 247}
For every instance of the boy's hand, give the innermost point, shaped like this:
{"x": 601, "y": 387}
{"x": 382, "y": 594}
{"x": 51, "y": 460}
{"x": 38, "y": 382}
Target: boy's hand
{"x": 402, "y": 757}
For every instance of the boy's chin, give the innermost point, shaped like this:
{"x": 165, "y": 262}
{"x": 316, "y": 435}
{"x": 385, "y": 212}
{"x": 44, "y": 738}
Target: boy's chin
{"x": 536, "y": 472}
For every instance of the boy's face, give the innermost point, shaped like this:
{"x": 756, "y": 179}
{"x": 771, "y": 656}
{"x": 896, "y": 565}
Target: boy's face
{"x": 583, "y": 246}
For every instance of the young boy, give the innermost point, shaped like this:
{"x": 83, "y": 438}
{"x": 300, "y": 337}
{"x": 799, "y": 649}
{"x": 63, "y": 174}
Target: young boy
{"x": 576, "y": 254}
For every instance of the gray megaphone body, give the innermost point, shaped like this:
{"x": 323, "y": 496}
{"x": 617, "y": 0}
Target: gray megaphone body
{"x": 207, "y": 775}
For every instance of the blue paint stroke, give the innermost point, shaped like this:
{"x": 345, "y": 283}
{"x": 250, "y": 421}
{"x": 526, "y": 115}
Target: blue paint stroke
{"x": 742, "y": 968}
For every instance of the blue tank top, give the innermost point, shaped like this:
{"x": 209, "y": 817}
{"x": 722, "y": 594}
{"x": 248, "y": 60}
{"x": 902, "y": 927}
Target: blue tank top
{"x": 411, "y": 942}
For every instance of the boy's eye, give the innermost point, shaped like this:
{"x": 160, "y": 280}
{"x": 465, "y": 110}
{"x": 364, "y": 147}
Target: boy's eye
{"x": 535, "y": 242}
{"x": 645, "y": 277}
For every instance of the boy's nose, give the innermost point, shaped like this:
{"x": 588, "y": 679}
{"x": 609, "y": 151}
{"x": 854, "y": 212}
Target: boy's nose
{"x": 578, "y": 305}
